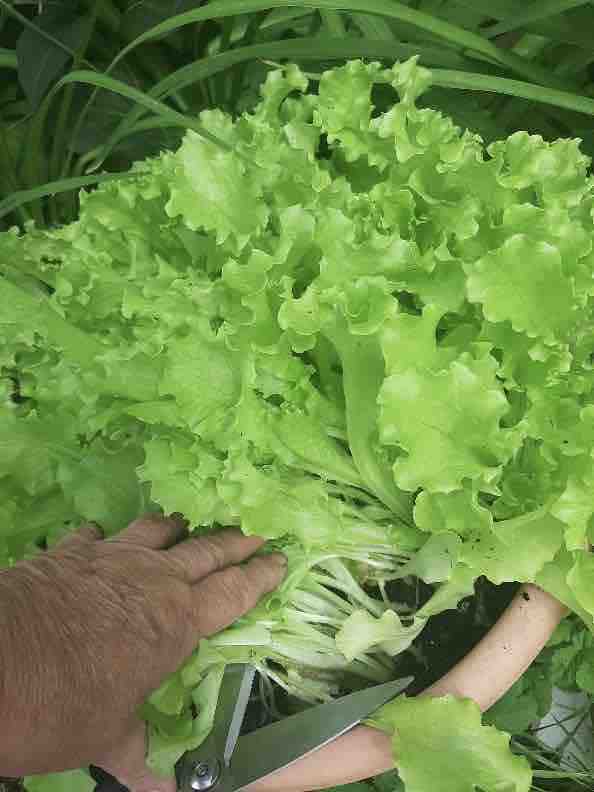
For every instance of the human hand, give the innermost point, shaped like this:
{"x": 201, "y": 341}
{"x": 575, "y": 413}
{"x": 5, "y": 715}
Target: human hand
{"x": 92, "y": 627}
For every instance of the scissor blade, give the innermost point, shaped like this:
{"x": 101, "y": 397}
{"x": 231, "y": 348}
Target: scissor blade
{"x": 231, "y": 707}
{"x": 241, "y": 702}
{"x": 273, "y": 747}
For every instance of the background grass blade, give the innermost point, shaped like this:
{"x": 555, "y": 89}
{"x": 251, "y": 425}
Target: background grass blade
{"x": 23, "y": 197}
{"x": 298, "y": 50}
{"x": 536, "y": 13}
{"x": 388, "y": 8}
{"x": 109, "y": 84}
{"x": 501, "y": 85}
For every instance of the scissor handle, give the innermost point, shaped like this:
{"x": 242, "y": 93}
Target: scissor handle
{"x": 105, "y": 781}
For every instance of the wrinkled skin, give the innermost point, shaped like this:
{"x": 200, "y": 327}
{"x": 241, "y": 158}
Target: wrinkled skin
{"x": 92, "y": 627}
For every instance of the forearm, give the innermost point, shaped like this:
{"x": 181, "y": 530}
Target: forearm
{"x": 18, "y": 676}
{"x": 14, "y": 687}
{"x": 32, "y": 677}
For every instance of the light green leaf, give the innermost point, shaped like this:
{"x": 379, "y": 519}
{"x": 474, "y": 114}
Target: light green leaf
{"x": 447, "y": 422}
{"x": 581, "y": 579}
{"x": 362, "y": 631}
{"x": 214, "y": 189}
{"x": 449, "y": 594}
{"x": 69, "y": 781}
{"x": 524, "y": 282}
{"x": 431, "y": 738}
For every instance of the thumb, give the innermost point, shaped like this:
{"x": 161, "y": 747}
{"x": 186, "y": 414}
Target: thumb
{"x": 127, "y": 763}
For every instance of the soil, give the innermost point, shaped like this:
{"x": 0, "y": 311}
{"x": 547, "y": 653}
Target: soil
{"x": 450, "y": 635}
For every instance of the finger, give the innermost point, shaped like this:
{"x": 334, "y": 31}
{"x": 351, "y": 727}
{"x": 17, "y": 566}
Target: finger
{"x": 154, "y": 531}
{"x": 224, "y": 596}
{"x": 127, "y": 763}
{"x": 200, "y": 556}
{"x": 88, "y": 532}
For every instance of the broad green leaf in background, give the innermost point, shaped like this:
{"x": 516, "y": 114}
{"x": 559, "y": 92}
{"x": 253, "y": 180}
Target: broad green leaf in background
{"x": 528, "y": 700}
{"x": 40, "y": 61}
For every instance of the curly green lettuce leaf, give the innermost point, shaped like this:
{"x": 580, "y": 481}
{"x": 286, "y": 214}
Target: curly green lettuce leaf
{"x": 523, "y": 282}
{"x": 459, "y": 585}
{"x": 165, "y": 747}
{"x": 215, "y": 189}
{"x": 510, "y": 550}
{"x": 361, "y": 631}
{"x": 581, "y": 579}
{"x": 575, "y": 505}
{"x": 431, "y": 737}
{"x": 447, "y": 422}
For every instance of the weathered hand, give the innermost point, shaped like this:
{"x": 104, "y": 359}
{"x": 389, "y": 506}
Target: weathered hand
{"x": 91, "y": 627}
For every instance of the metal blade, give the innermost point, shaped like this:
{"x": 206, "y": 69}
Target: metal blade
{"x": 231, "y": 707}
{"x": 208, "y": 765}
{"x": 242, "y": 697}
{"x": 273, "y": 747}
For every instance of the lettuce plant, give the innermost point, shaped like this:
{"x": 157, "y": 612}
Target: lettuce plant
{"x": 357, "y": 332}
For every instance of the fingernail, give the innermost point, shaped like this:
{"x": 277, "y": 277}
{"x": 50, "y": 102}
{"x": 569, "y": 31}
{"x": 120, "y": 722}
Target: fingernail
{"x": 179, "y": 519}
{"x": 95, "y": 526}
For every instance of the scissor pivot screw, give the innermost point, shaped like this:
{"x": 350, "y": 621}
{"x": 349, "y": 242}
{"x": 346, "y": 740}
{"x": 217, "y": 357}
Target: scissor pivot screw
{"x": 205, "y": 775}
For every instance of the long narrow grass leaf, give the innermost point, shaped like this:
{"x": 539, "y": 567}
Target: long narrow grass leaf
{"x": 116, "y": 86}
{"x": 315, "y": 48}
{"x": 373, "y": 27}
{"x": 388, "y": 8}
{"x": 334, "y": 23}
{"x": 466, "y": 40}
{"x": 280, "y": 17}
{"x": 501, "y": 85}
{"x": 534, "y": 13}
{"x": 558, "y": 29}
{"x": 23, "y": 197}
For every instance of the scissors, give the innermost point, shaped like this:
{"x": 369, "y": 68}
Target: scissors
{"x": 228, "y": 762}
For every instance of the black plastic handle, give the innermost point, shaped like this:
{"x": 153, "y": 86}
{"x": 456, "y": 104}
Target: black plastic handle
{"x": 105, "y": 781}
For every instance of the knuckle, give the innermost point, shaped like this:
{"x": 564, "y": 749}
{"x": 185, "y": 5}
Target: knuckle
{"x": 266, "y": 575}
{"x": 146, "y": 522}
{"x": 212, "y": 552}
